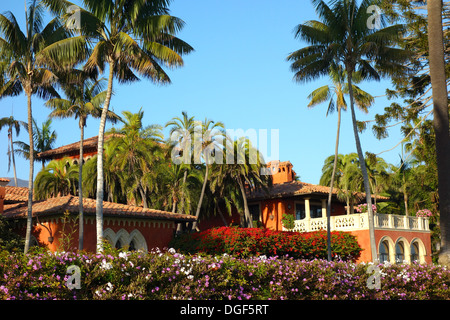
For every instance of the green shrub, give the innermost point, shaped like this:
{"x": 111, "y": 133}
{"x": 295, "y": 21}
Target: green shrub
{"x": 288, "y": 221}
{"x": 245, "y": 242}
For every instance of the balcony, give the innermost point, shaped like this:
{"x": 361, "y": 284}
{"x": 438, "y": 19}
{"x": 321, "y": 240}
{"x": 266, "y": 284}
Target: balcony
{"x": 360, "y": 221}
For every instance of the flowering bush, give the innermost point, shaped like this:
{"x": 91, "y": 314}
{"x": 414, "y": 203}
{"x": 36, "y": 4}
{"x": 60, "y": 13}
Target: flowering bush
{"x": 363, "y": 208}
{"x": 245, "y": 242}
{"x": 170, "y": 275}
{"x": 424, "y": 213}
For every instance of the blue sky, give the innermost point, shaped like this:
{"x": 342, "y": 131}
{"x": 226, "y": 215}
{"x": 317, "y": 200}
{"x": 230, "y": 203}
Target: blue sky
{"x": 239, "y": 75}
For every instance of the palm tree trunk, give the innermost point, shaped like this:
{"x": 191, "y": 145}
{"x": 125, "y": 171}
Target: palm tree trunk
{"x": 174, "y": 207}
{"x": 405, "y": 200}
{"x": 100, "y": 178}
{"x": 441, "y": 121}
{"x": 197, "y": 213}
{"x": 31, "y": 173}
{"x": 225, "y": 223}
{"x": 13, "y": 158}
{"x": 330, "y": 194}
{"x": 80, "y": 187}
{"x": 248, "y": 219}
{"x": 362, "y": 163}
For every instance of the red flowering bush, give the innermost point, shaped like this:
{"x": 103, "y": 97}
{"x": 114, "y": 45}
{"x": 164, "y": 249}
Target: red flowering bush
{"x": 243, "y": 242}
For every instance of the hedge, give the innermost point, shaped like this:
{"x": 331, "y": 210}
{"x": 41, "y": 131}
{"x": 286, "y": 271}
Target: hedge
{"x": 170, "y": 275}
{"x": 246, "y": 242}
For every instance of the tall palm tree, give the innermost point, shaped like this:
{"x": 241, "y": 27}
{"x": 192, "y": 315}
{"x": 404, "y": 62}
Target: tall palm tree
{"x": 441, "y": 120}
{"x": 180, "y": 141}
{"x": 181, "y": 137}
{"x": 209, "y": 141}
{"x": 12, "y": 124}
{"x": 131, "y": 36}
{"x": 348, "y": 177}
{"x": 377, "y": 169}
{"x": 32, "y": 56}
{"x": 363, "y": 100}
{"x": 342, "y": 36}
{"x": 84, "y": 99}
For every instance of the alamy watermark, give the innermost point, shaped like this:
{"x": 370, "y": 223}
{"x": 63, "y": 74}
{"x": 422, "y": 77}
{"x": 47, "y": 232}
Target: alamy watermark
{"x": 374, "y": 21}
{"x": 230, "y": 148}
{"x": 74, "y": 20}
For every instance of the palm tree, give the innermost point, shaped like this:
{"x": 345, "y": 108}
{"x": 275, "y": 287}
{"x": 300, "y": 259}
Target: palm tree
{"x": 377, "y": 169}
{"x": 342, "y": 36}
{"x": 44, "y": 139}
{"x": 363, "y": 100}
{"x": 59, "y": 178}
{"x": 244, "y": 169}
{"x": 134, "y": 154}
{"x": 12, "y": 124}
{"x": 348, "y": 177}
{"x": 180, "y": 141}
{"x": 84, "y": 99}
{"x": 224, "y": 192}
{"x": 208, "y": 143}
{"x": 177, "y": 183}
{"x": 180, "y": 138}
{"x": 404, "y": 176}
{"x": 31, "y": 57}
{"x": 131, "y": 37}
{"x": 441, "y": 120}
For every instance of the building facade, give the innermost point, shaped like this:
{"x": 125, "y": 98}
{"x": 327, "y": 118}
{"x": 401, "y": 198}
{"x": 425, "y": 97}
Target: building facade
{"x": 398, "y": 238}
{"x": 56, "y": 226}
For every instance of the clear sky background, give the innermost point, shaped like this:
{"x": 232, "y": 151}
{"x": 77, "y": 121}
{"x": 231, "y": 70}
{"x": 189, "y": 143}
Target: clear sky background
{"x": 239, "y": 75}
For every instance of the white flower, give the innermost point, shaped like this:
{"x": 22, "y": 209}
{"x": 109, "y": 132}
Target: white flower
{"x": 172, "y": 250}
{"x": 123, "y": 255}
{"x": 109, "y": 286}
{"x": 105, "y": 265}
{"x": 190, "y": 277}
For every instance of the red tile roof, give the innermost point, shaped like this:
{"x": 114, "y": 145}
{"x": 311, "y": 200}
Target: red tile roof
{"x": 4, "y": 180}
{"x": 16, "y": 194}
{"x": 57, "y": 206}
{"x": 295, "y": 188}
{"x": 89, "y": 144}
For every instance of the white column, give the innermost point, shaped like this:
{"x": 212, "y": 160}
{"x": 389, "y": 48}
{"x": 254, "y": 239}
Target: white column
{"x": 324, "y": 208}
{"x": 307, "y": 209}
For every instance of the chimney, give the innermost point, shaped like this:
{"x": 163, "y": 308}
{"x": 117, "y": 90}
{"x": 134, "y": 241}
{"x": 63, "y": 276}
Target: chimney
{"x": 3, "y": 183}
{"x": 281, "y": 171}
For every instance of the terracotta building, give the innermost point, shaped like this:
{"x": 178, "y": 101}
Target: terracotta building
{"x": 398, "y": 238}
{"x": 127, "y": 226}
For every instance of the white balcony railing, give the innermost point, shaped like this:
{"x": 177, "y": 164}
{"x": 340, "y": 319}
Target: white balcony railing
{"x": 361, "y": 221}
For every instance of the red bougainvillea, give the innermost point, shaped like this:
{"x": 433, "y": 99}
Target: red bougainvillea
{"x": 244, "y": 242}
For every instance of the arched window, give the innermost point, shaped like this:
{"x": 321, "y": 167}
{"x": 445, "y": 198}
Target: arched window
{"x": 109, "y": 235}
{"x": 384, "y": 251}
{"x": 137, "y": 241}
{"x": 399, "y": 252}
{"x": 118, "y": 244}
{"x": 415, "y": 252}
